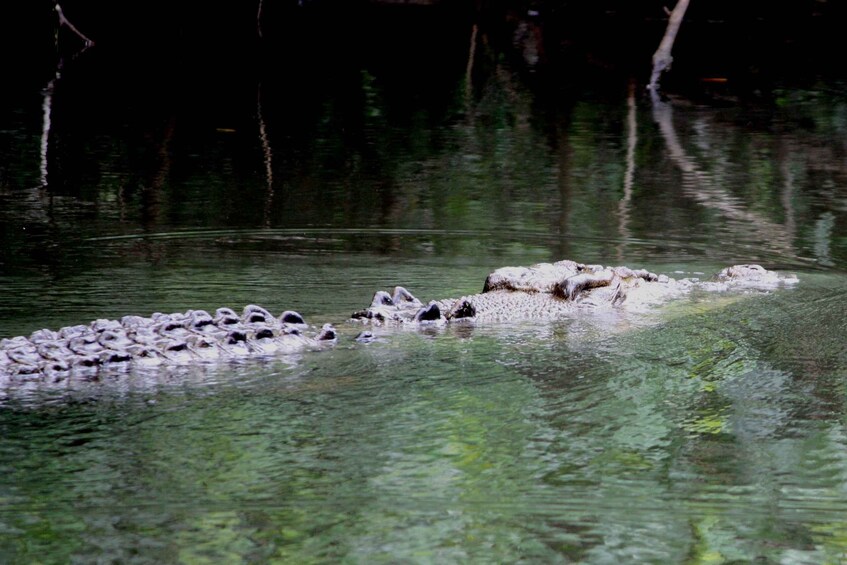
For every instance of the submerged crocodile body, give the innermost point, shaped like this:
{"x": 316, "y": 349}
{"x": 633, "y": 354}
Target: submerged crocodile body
{"x": 542, "y": 291}
{"x": 161, "y": 339}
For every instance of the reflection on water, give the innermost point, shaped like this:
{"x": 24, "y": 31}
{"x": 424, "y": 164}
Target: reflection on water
{"x": 713, "y": 432}
{"x": 354, "y": 152}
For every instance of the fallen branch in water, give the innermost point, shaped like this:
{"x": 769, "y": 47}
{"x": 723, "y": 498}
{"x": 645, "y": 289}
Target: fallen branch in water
{"x": 662, "y": 58}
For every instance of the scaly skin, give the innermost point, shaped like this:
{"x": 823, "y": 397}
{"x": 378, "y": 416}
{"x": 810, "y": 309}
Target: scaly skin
{"x": 556, "y": 290}
{"x": 161, "y": 339}
{"x": 543, "y": 291}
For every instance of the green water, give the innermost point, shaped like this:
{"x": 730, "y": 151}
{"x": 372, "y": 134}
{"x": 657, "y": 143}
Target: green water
{"x": 713, "y": 431}
{"x": 714, "y": 434}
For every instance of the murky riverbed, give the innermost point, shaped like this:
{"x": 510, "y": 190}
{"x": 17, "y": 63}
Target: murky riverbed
{"x": 712, "y": 432}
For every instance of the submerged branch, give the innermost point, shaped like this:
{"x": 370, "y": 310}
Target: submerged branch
{"x": 662, "y": 58}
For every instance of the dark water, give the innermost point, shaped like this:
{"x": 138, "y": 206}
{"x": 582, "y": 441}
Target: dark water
{"x": 713, "y": 432}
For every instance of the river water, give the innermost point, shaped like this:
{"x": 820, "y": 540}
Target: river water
{"x": 713, "y": 431}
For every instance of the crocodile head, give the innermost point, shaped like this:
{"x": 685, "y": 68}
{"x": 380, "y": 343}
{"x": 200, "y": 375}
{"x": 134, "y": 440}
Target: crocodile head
{"x": 549, "y": 290}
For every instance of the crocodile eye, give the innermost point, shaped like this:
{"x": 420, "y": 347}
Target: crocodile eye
{"x": 402, "y": 295}
{"x": 381, "y": 298}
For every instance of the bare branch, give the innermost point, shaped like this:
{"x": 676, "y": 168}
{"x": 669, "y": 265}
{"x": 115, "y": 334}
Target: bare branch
{"x": 63, "y": 21}
{"x": 49, "y": 89}
{"x": 662, "y": 58}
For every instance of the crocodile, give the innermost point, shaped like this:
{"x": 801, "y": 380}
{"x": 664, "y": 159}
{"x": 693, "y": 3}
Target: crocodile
{"x": 542, "y": 291}
{"x": 556, "y": 290}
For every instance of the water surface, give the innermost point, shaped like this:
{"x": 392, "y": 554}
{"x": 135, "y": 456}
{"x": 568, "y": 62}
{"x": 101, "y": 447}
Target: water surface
{"x": 711, "y": 432}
